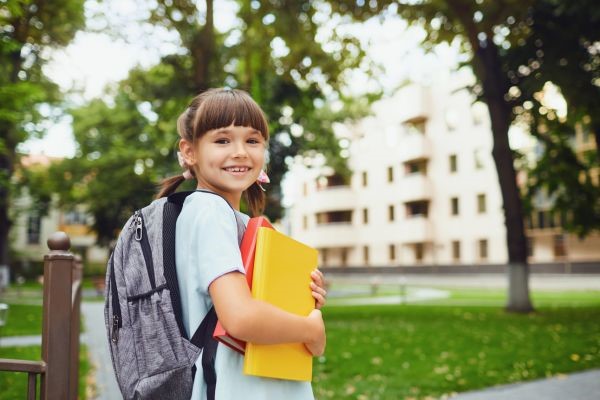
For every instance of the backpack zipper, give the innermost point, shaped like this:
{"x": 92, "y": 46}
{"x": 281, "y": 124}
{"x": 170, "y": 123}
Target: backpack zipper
{"x": 116, "y": 308}
{"x": 140, "y": 231}
{"x": 138, "y": 223}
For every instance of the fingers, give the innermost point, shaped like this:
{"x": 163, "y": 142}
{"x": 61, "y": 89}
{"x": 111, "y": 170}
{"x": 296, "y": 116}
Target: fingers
{"x": 318, "y": 278}
{"x": 318, "y": 288}
{"x": 319, "y": 294}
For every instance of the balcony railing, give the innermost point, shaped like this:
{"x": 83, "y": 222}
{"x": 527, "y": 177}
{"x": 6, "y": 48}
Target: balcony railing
{"x": 332, "y": 198}
{"x": 336, "y": 234}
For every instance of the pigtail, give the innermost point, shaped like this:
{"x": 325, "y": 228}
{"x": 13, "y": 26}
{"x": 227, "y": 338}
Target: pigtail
{"x": 256, "y": 199}
{"x": 169, "y": 185}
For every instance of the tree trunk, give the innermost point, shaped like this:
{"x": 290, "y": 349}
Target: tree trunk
{"x": 596, "y": 128}
{"x": 487, "y": 68}
{"x": 203, "y": 51}
{"x": 6, "y": 169}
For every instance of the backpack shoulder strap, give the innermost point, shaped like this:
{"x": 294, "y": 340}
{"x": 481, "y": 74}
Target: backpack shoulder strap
{"x": 171, "y": 210}
{"x": 203, "y": 336}
{"x": 203, "y": 339}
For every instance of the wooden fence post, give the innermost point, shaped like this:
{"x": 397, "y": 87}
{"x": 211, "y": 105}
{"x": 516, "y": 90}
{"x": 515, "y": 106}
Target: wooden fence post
{"x": 56, "y": 337}
{"x": 77, "y": 275}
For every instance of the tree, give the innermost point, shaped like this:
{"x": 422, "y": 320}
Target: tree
{"x": 29, "y": 30}
{"x": 514, "y": 48}
{"x": 484, "y": 30}
{"x": 561, "y": 49}
{"x": 291, "y": 84}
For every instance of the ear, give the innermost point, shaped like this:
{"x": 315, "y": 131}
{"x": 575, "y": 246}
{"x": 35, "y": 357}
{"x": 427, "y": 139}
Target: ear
{"x": 187, "y": 151}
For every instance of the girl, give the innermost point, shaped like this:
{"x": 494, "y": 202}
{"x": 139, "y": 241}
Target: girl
{"x": 224, "y": 137}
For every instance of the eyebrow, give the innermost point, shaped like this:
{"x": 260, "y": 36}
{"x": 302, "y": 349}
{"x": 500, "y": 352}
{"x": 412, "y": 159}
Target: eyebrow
{"x": 228, "y": 131}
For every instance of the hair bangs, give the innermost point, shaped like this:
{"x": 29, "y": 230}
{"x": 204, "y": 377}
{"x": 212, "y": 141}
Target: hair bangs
{"x": 226, "y": 107}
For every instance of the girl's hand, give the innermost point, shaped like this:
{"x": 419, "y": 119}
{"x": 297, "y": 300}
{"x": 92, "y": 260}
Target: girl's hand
{"x": 318, "y": 288}
{"x": 316, "y": 346}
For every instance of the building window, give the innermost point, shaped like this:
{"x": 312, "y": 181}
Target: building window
{"x": 344, "y": 256}
{"x": 456, "y": 250}
{"x": 419, "y": 252}
{"x": 325, "y": 182}
{"x": 452, "y": 119}
{"x": 541, "y": 219}
{"x": 483, "y": 249}
{"x": 530, "y": 244}
{"x": 415, "y": 126}
{"x": 365, "y": 214}
{"x": 453, "y": 163}
{"x": 366, "y": 255}
{"x": 478, "y": 156}
{"x": 334, "y": 217}
{"x": 364, "y": 178}
{"x": 481, "y": 206}
{"x": 454, "y": 205}
{"x": 34, "y": 222}
{"x": 75, "y": 218}
{"x": 305, "y": 222}
{"x": 529, "y": 222}
{"x": 560, "y": 249}
{"x": 324, "y": 256}
{"x": 391, "y": 213}
{"x": 417, "y": 167}
{"x": 390, "y": 174}
{"x": 392, "y": 252}
{"x": 417, "y": 208}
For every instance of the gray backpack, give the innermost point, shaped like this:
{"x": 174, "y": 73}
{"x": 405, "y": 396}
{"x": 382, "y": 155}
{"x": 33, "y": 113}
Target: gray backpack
{"x": 152, "y": 356}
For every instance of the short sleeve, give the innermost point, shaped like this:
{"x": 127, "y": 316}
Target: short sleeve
{"x": 213, "y": 248}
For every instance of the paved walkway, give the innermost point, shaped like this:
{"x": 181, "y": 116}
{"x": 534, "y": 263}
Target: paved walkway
{"x": 93, "y": 316}
{"x": 479, "y": 281}
{"x": 578, "y": 386}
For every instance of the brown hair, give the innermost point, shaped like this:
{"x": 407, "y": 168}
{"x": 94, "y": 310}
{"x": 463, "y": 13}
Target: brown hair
{"x": 214, "y": 109}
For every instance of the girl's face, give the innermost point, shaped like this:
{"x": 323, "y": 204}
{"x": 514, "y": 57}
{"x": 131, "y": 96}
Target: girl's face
{"x": 228, "y": 160}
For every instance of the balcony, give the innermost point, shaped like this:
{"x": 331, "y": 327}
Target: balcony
{"x": 337, "y": 234}
{"x": 416, "y": 230}
{"x": 415, "y": 187}
{"x": 332, "y": 198}
{"x": 414, "y": 146}
{"x": 415, "y": 102}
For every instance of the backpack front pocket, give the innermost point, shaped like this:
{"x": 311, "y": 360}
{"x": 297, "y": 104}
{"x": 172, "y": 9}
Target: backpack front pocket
{"x": 158, "y": 342}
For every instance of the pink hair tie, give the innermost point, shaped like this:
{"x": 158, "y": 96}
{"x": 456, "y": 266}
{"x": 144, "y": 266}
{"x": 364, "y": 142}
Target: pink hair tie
{"x": 187, "y": 174}
{"x": 262, "y": 178}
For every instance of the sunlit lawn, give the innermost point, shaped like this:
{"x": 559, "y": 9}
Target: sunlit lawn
{"x": 26, "y": 319}
{"x": 417, "y": 351}
{"x": 14, "y": 385}
{"x": 427, "y": 349}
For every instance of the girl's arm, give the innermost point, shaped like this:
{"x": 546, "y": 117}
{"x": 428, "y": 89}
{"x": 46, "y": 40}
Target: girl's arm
{"x": 259, "y": 322}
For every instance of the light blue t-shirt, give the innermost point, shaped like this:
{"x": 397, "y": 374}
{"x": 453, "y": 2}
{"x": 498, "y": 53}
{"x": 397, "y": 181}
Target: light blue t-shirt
{"x": 207, "y": 248}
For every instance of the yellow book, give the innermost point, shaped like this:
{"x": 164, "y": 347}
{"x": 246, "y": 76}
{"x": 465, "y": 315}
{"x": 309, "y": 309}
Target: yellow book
{"x": 282, "y": 269}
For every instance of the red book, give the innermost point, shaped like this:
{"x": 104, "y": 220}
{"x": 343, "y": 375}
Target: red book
{"x": 247, "y": 248}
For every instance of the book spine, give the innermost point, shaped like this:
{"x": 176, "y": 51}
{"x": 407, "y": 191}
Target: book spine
{"x": 258, "y": 284}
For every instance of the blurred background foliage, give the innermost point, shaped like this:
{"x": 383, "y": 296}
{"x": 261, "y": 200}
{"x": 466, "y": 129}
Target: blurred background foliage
{"x": 126, "y": 140}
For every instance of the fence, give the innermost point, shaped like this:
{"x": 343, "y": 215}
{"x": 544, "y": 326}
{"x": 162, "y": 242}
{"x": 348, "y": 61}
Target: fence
{"x": 59, "y": 368}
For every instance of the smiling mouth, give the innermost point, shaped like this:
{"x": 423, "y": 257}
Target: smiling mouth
{"x": 237, "y": 169}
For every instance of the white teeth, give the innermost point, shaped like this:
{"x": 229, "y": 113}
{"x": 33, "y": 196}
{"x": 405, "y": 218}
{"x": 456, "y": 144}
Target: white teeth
{"x": 237, "y": 169}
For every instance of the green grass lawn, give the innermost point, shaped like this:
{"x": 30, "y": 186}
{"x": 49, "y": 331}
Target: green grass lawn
{"x": 14, "y": 384}
{"x": 22, "y": 320}
{"x": 431, "y": 348}
{"x": 421, "y": 351}
{"x": 465, "y": 296}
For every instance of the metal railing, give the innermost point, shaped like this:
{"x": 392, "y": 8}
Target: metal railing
{"x": 59, "y": 365}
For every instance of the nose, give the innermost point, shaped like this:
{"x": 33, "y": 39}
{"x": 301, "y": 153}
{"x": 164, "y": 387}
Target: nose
{"x": 240, "y": 150}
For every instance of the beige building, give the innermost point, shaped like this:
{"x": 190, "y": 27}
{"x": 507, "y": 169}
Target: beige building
{"x": 424, "y": 189}
{"x": 548, "y": 242}
{"x": 31, "y": 230}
